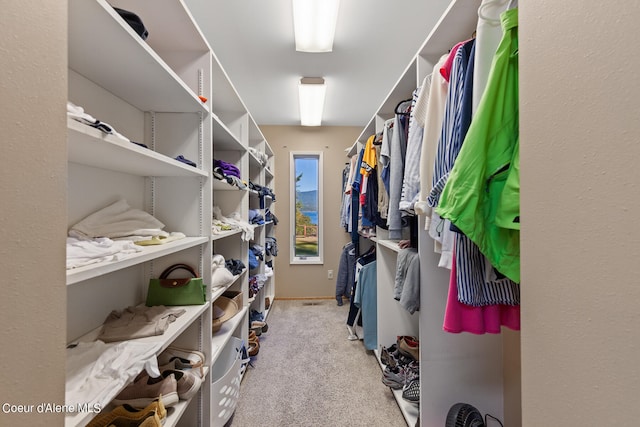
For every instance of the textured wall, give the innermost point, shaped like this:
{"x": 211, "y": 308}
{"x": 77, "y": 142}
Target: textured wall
{"x": 33, "y": 92}
{"x": 300, "y": 280}
{"x": 580, "y": 210}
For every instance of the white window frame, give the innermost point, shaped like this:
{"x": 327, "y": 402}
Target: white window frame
{"x": 292, "y": 203}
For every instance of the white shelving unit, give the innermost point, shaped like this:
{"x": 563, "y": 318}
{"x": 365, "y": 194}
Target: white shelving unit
{"x": 149, "y": 91}
{"x": 453, "y": 367}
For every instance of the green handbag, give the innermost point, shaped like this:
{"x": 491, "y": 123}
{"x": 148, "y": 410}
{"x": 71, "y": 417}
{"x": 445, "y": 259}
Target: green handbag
{"x": 183, "y": 291}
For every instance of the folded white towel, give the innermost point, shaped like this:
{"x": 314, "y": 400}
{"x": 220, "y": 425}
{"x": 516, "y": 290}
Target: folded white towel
{"x": 118, "y": 220}
{"x": 85, "y": 252}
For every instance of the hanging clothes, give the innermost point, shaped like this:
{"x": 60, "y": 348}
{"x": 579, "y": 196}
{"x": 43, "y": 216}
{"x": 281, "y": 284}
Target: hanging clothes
{"x": 398, "y": 155}
{"x": 411, "y": 175}
{"x": 366, "y": 298}
{"x": 346, "y": 199}
{"x": 477, "y": 282}
{"x": 449, "y": 146}
{"x": 406, "y": 288}
{"x": 430, "y": 113}
{"x": 474, "y": 194}
{"x": 364, "y": 259}
{"x": 459, "y": 317}
{"x": 369, "y": 182}
{"x": 346, "y": 272}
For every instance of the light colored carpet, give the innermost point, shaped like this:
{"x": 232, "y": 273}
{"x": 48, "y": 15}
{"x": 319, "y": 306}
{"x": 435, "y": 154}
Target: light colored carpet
{"x": 308, "y": 374}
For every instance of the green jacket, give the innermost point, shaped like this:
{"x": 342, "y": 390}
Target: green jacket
{"x": 482, "y": 195}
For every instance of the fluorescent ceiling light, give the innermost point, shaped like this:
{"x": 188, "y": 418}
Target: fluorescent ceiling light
{"x": 314, "y": 24}
{"x": 311, "y": 91}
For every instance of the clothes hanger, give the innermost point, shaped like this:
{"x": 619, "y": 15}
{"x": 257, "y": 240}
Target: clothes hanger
{"x": 483, "y": 6}
{"x": 399, "y": 104}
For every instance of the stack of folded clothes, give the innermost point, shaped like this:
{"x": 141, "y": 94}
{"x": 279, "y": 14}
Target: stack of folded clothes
{"x": 229, "y": 172}
{"x": 255, "y": 217}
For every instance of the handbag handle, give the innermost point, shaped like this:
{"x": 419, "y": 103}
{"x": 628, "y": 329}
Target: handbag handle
{"x": 174, "y": 267}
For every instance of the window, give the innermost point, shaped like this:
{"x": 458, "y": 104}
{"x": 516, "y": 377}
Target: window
{"x": 306, "y": 207}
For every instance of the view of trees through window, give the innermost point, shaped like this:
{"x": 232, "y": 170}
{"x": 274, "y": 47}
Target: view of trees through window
{"x": 307, "y": 243}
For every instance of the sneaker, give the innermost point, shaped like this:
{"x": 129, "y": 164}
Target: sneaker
{"x": 409, "y": 346}
{"x": 184, "y": 359}
{"x": 123, "y": 413}
{"x": 411, "y": 392}
{"x": 188, "y": 383}
{"x": 145, "y": 390}
{"x": 388, "y": 356}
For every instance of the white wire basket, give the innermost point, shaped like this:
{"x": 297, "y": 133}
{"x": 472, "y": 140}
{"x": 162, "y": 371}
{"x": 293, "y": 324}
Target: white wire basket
{"x": 226, "y": 376}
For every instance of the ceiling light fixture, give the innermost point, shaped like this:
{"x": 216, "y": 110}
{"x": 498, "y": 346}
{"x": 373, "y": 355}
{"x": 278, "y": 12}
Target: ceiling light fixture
{"x": 311, "y": 91}
{"x": 314, "y": 24}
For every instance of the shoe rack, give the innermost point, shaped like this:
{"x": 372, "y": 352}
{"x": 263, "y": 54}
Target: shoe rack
{"x": 453, "y": 367}
{"x": 170, "y": 93}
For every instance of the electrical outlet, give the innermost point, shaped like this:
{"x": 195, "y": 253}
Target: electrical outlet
{"x": 329, "y": 274}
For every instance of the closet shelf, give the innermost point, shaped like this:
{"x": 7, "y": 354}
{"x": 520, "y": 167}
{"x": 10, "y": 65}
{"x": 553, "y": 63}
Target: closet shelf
{"x": 225, "y": 99}
{"x": 389, "y": 244}
{"x": 221, "y": 185}
{"x": 184, "y": 35}
{"x": 101, "y": 48}
{"x": 267, "y": 311}
{"x": 216, "y": 292}
{"x": 446, "y": 33}
{"x": 222, "y": 337}
{"x": 253, "y": 161}
{"x": 92, "y": 147}
{"x": 268, "y": 172}
{"x": 193, "y": 312}
{"x": 148, "y": 253}
{"x": 223, "y": 138}
{"x": 225, "y": 234}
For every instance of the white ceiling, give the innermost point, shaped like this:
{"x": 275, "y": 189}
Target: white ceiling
{"x": 375, "y": 41}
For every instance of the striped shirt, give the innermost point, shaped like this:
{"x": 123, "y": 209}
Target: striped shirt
{"x": 476, "y": 281}
{"x": 451, "y": 136}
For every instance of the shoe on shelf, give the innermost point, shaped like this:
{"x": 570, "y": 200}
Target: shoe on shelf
{"x": 267, "y": 303}
{"x": 258, "y": 324}
{"x": 151, "y": 420}
{"x": 257, "y": 330}
{"x": 392, "y": 378}
{"x": 409, "y": 346}
{"x": 400, "y": 376}
{"x": 254, "y": 348}
{"x": 184, "y": 358}
{"x": 188, "y": 382}
{"x": 411, "y": 392}
{"x": 144, "y": 390}
{"x": 389, "y": 356}
{"x": 123, "y": 413}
